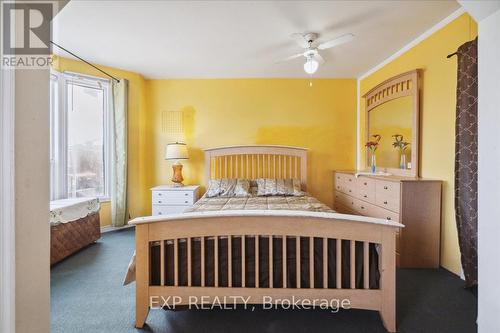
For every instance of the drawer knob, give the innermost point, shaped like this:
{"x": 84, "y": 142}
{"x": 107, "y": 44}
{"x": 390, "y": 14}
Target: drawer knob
{"x": 389, "y": 218}
{"x": 385, "y": 202}
{"x": 362, "y": 207}
{"x": 349, "y": 190}
{"x": 186, "y": 194}
{"x": 159, "y": 201}
{"x": 185, "y": 202}
{"x": 350, "y": 179}
{"x": 159, "y": 194}
{"x": 365, "y": 196}
{"x": 159, "y": 213}
{"x": 365, "y": 183}
{"x": 385, "y": 187}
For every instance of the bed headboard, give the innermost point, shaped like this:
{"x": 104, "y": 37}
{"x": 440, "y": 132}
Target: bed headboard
{"x": 256, "y": 161}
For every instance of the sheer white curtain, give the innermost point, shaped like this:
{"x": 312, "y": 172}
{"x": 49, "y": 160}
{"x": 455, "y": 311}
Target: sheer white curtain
{"x": 119, "y": 212}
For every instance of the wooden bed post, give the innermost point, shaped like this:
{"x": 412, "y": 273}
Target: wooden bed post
{"x": 142, "y": 274}
{"x": 388, "y": 279}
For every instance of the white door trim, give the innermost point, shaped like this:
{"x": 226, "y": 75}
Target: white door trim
{"x": 7, "y": 202}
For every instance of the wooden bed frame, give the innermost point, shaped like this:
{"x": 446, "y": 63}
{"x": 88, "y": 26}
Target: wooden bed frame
{"x": 253, "y": 162}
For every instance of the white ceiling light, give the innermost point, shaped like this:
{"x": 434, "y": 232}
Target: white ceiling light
{"x": 311, "y": 49}
{"x": 311, "y": 66}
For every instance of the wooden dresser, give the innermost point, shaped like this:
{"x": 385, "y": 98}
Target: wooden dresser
{"x": 414, "y": 202}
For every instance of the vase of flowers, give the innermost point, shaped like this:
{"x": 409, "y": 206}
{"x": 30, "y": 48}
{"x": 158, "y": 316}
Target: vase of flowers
{"x": 372, "y": 147}
{"x": 401, "y": 146}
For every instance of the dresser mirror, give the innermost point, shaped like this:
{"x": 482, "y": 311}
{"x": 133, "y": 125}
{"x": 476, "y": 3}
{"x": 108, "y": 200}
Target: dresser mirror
{"x": 392, "y": 121}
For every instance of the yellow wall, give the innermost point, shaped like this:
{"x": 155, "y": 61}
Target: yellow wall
{"x": 248, "y": 111}
{"x": 229, "y": 112}
{"x": 437, "y": 116}
{"x": 136, "y": 139}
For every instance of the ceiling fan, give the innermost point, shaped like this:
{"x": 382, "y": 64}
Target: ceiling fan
{"x": 311, "y": 53}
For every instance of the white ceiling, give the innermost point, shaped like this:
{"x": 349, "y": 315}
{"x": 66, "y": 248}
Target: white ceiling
{"x": 239, "y": 39}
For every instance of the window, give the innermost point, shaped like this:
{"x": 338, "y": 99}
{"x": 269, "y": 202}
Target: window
{"x": 80, "y": 147}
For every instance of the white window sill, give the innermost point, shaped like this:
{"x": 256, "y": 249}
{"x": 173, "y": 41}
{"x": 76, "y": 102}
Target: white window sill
{"x": 101, "y": 200}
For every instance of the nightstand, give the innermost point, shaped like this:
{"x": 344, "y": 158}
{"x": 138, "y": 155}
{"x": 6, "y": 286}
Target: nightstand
{"x": 167, "y": 199}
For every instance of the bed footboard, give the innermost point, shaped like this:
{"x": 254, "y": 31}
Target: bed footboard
{"x": 320, "y": 232}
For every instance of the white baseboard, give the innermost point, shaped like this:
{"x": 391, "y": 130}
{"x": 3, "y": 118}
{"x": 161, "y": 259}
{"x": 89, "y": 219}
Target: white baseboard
{"x": 110, "y": 228}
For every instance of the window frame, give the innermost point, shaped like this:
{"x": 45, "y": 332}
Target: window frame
{"x": 59, "y": 137}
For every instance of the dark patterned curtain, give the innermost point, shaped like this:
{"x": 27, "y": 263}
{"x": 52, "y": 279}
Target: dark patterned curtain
{"x": 466, "y": 159}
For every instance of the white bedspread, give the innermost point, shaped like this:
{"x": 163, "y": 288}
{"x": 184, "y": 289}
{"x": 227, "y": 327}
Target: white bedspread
{"x": 67, "y": 210}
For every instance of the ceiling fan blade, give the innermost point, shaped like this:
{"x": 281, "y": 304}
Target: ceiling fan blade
{"x": 319, "y": 58}
{"x": 291, "y": 57}
{"x": 300, "y": 40}
{"x": 337, "y": 41}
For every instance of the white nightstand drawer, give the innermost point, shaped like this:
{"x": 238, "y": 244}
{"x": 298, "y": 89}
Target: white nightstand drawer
{"x": 167, "y": 199}
{"x": 165, "y": 210}
{"x": 173, "y": 197}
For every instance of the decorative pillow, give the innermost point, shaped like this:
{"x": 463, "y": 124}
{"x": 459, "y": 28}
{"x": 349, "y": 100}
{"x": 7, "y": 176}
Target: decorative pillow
{"x": 280, "y": 187}
{"x": 297, "y": 188}
{"x": 242, "y": 188}
{"x": 286, "y": 187}
{"x": 228, "y": 188}
{"x": 213, "y": 188}
{"x": 266, "y": 187}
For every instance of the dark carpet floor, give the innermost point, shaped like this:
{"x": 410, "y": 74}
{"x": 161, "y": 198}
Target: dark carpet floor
{"x": 88, "y": 296}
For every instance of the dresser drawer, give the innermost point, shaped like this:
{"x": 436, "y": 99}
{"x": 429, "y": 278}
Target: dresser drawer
{"x": 344, "y": 200}
{"x": 381, "y": 213}
{"x": 347, "y": 183}
{"x": 387, "y": 194}
{"x": 165, "y": 210}
{"x": 173, "y": 198}
{"x": 342, "y": 209}
{"x": 366, "y": 189}
{"x": 339, "y": 182}
{"x": 367, "y": 209}
{"x": 363, "y": 208}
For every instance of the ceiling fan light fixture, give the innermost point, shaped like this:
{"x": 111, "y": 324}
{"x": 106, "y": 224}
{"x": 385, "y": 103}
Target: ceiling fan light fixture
{"x": 311, "y": 66}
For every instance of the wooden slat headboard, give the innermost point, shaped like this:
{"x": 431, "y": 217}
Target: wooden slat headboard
{"x": 256, "y": 161}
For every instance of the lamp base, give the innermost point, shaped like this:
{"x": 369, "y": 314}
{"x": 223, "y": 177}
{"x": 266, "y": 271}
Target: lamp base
{"x": 177, "y": 175}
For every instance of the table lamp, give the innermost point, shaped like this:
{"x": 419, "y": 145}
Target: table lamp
{"x": 177, "y": 151}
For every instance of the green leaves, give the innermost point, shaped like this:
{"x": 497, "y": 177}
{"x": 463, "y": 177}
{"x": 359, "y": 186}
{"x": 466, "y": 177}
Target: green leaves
{"x": 399, "y": 143}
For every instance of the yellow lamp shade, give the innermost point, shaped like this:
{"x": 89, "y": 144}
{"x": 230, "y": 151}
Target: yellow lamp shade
{"x": 176, "y": 151}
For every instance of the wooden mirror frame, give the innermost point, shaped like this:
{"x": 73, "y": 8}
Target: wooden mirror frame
{"x": 405, "y": 84}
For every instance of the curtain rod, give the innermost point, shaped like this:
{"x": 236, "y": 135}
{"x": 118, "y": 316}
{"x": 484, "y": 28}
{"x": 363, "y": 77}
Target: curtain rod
{"x": 85, "y": 61}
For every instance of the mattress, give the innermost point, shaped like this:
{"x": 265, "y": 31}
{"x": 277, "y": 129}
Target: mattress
{"x": 253, "y": 202}
{"x": 302, "y": 203}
